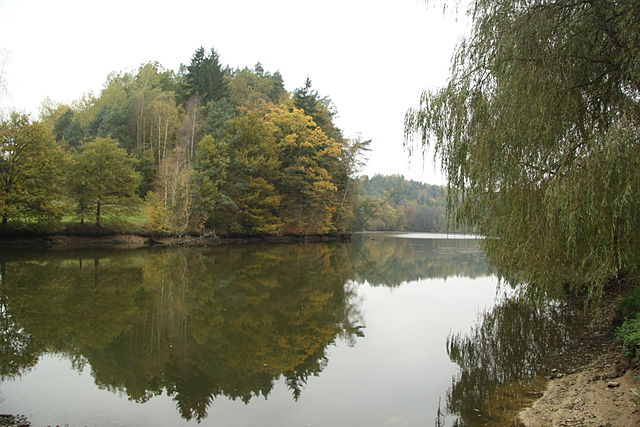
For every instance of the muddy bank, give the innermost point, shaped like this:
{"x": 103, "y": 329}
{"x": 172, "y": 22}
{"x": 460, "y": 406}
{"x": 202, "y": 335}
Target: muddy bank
{"x": 135, "y": 241}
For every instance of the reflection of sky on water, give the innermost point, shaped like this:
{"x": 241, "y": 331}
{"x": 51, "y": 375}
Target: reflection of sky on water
{"x": 444, "y": 236}
{"x": 393, "y": 376}
{"x": 397, "y": 372}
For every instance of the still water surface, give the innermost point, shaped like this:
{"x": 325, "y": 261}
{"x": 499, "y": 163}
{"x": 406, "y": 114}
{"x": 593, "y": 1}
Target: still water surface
{"x": 388, "y": 330}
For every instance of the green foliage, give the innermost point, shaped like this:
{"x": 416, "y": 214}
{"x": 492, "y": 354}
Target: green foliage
{"x": 252, "y": 91}
{"x": 306, "y": 98}
{"x": 319, "y": 108}
{"x": 630, "y": 306}
{"x": 74, "y": 134}
{"x": 253, "y": 170}
{"x": 214, "y": 148}
{"x": 114, "y": 123}
{"x": 629, "y": 332}
{"x": 278, "y": 91}
{"x": 205, "y": 77}
{"x": 538, "y": 132}
{"x": 394, "y": 203}
{"x": 629, "y": 335}
{"x": 31, "y": 168}
{"x": 147, "y": 168}
{"x": 211, "y": 171}
{"x": 218, "y": 113}
{"x": 156, "y": 214}
{"x": 62, "y": 124}
{"x": 305, "y": 153}
{"x": 102, "y": 180}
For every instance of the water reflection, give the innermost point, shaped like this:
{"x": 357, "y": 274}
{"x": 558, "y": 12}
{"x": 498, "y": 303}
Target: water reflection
{"x": 194, "y": 323}
{"x": 502, "y": 355}
{"x": 383, "y": 260}
{"x": 199, "y": 324}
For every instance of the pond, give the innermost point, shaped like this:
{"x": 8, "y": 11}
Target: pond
{"x": 387, "y": 330}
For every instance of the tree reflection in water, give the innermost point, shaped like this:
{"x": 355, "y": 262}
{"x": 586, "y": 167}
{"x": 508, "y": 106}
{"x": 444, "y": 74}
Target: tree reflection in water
{"x": 500, "y": 358}
{"x": 198, "y": 324}
{"x": 204, "y": 323}
{"x": 383, "y": 260}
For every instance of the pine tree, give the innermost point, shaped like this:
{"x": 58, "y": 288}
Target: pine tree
{"x": 205, "y": 76}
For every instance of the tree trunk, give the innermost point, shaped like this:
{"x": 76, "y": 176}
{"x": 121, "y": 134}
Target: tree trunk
{"x": 98, "y": 213}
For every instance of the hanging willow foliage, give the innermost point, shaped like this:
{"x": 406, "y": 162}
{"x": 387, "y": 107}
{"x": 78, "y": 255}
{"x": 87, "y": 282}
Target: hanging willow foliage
{"x": 538, "y": 129}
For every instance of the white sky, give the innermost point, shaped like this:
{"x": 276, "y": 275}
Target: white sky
{"x": 372, "y": 58}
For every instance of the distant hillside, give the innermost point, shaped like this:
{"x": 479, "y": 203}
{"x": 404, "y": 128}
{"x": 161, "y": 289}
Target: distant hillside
{"x": 394, "y": 203}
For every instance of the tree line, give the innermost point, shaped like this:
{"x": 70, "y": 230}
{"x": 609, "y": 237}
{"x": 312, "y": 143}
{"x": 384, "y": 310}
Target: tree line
{"x": 206, "y": 147}
{"x": 393, "y": 203}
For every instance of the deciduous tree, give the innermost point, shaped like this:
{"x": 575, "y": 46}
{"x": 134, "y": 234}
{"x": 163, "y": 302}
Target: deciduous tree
{"x": 31, "y": 165}
{"x": 103, "y": 180}
{"x": 538, "y": 131}
{"x": 305, "y": 152}
{"x": 211, "y": 170}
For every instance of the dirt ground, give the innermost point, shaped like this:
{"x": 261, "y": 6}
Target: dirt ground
{"x": 605, "y": 392}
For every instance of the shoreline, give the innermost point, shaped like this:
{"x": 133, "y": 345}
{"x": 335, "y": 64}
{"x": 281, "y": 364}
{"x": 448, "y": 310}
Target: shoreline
{"x": 596, "y": 384}
{"x": 141, "y": 240}
{"x": 605, "y": 392}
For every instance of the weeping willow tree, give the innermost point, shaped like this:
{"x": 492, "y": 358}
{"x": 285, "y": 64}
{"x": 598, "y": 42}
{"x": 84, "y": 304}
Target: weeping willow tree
{"x": 538, "y": 129}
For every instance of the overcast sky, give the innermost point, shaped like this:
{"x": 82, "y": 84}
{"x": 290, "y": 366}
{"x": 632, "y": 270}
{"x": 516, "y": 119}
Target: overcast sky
{"x": 372, "y": 58}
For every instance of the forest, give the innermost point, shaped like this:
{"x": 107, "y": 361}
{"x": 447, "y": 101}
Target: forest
{"x": 392, "y": 203}
{"x": 206, "y": 147}
{"x": 203, "y": 148}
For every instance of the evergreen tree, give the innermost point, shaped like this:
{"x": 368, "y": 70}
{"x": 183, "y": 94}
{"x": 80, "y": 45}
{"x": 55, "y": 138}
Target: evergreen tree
{"x": 69, "y": 129}
{"x": 116, "y": 124}
{"x": 205, "y": 76}
{"x": 319, "y": 108}
{"x": 219, "y": 112}
{"x": 278, "y": 91}
{"x": 74, "y": 134}
{"x": 306, "y": 99}
{"x": 61, "y": 125}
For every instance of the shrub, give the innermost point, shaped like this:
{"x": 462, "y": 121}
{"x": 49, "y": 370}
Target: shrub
{"x": 629, "y": 334}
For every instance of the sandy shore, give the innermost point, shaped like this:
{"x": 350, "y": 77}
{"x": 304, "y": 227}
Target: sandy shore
{"x": 605, "y": 392}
